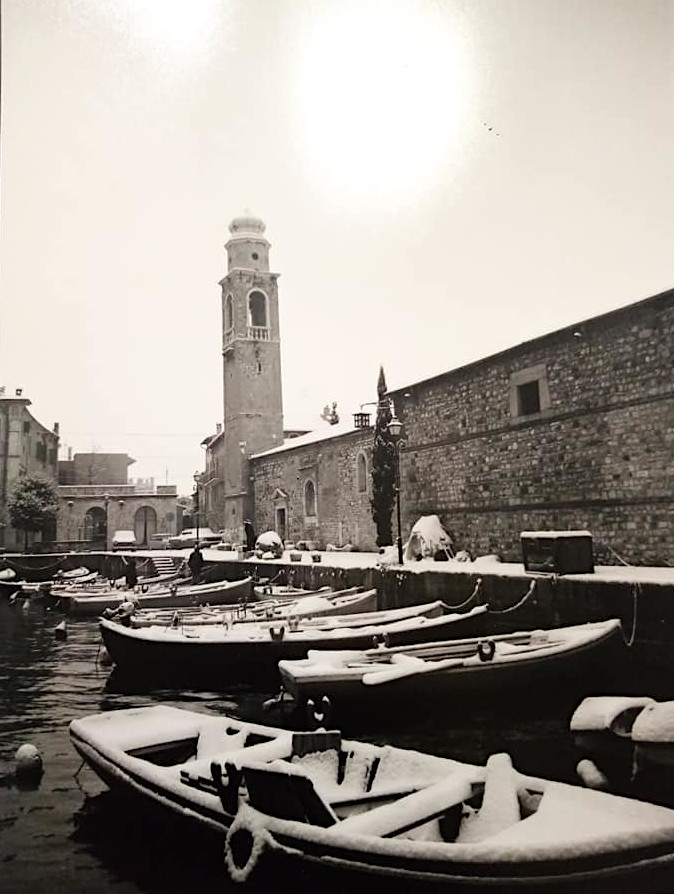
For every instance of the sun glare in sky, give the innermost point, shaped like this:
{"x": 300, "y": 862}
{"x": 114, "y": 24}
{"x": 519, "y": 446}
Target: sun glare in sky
{"x": 174, "y": 26}
{"x": 382, "y": 91}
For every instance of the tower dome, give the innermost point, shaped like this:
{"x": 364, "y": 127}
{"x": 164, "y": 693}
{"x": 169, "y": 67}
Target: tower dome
{"x": 247, "y": 225}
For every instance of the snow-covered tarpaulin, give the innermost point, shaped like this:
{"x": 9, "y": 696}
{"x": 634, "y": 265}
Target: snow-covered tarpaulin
{"x": 427, "y": 538}
{"x": 270, "y": 542}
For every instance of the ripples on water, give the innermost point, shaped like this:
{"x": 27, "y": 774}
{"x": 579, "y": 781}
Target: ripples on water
{"x": 71, "y": 834}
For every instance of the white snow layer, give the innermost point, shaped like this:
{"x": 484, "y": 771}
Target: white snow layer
{"x": 655, "y": 723}
{"x": 599, "y": 712}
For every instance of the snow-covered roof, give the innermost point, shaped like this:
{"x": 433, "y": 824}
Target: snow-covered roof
{"x": 324, "y": 432}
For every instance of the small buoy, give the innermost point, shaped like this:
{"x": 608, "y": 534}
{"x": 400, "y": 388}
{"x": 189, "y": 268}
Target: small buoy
{"x": 28, "y": 762}
{"x": 591, "y": 776}
{"x": 105, "y": 658}
{"x": 61, "y": 631}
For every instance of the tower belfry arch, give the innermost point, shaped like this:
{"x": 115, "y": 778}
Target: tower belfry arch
{"x": 251, "y": 355}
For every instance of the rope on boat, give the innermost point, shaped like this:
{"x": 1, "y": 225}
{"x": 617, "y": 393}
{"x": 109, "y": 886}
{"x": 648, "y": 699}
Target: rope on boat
{"x": 453, "y": 608}
{"x": 503, "y": 611}
{"x": 629, "y": 641}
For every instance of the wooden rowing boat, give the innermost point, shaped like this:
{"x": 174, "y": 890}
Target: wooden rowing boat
{"x": 364, "y": 812}
{"x": 327, "y": 604}
{"x": 219, "y": 654}
{"x": 161, "y": 596}
{"x": 521, "y": 661}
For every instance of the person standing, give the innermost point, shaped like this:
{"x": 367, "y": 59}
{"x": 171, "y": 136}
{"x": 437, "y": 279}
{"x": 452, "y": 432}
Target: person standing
{"x": 131, "y": 573}
{"x": 196, "y": 564}
{"x": 250, "y": 534}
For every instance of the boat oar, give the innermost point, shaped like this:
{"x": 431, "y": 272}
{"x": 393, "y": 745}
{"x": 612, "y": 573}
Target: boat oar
{"x": 401, "y": 671}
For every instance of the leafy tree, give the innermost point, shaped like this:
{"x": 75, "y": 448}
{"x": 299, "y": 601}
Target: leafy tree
{"x": 32, "y": 505}
{"x": 383, "y": 467}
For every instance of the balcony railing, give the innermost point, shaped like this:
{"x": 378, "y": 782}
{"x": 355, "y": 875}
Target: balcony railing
{"x": 259, "y": 333}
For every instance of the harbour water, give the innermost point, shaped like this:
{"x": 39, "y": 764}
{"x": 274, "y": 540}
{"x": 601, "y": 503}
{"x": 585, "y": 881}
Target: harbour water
{"x": 70, "y": 834}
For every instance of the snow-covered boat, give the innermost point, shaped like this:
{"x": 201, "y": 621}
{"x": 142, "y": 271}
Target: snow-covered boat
{"x": 326, "y": 603}
{"x": 626, "y": 744}
{"x": 364, "y": 811}
{"x": 220, "y": 653}
{"x": 519, "y": 661}
{"x": 161, "y": 596}
{"x": 265, "y": 591}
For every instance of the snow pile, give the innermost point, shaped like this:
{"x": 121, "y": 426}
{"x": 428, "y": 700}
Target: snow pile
{"x": 603, "y": 712}
{"x": 309, "y": 605}
{"x": 655, "y": 723}
{"x": 321, "y": 767}
{"x": 269, "y": 542}
{"x": 388, "y": 556}
{"x": 500, "y": 805}
{"x": 427, "y": 538}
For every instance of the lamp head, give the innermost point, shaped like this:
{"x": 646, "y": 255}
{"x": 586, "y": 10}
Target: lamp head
{"x": 395, "y": 427}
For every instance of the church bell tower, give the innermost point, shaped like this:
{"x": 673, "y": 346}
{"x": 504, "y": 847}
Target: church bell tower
{"x": 251, "y": 353}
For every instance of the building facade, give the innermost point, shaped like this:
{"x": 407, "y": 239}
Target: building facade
{"x": 573, "y": 430}
{"x": 317, "y": 487}
{"x": 89, "y": 512}
{"x": 26, "y": 448}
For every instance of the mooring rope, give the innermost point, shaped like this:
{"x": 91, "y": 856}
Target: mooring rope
{"x": 453, "y": 608}
{"x": 503, "y": 611}
{"x": 629, "y": 641}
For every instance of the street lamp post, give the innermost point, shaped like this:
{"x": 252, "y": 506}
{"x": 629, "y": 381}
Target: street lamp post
{"x": 106, "y": 500}
{"x": 196, "y": 504}
{"x": 395, "y": 428}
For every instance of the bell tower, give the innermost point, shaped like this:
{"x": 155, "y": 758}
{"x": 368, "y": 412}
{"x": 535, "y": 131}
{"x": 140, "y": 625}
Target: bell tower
{"x": 251, "y": 353}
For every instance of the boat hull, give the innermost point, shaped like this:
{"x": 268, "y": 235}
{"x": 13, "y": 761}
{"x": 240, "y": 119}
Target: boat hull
{"x": 546, "y": 675}
{"x": 182, "y": 657}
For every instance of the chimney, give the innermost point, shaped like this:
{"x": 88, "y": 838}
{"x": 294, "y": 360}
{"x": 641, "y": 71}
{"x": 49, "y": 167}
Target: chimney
{"x": 70, "y": 454}
{"x": 57, "y": 429}
{"x": 218, "y": 428}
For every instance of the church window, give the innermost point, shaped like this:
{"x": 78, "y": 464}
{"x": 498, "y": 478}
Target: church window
{"x": 310, "y": 499}
{"x": 257, "y": 309}
{"x": 361, "y": 469}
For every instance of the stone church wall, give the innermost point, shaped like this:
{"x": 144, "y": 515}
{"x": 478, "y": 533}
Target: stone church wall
{"x": 343, "y": 512}
{"x": 597, "y": 454}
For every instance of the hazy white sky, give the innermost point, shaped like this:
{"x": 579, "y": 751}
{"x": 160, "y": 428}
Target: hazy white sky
{"x": 440, "y": 179}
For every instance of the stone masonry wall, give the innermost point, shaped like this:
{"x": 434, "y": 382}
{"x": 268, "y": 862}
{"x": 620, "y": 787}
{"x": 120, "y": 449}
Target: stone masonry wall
{"x": 343, "y": 513}
{"x": 598, "y": 454}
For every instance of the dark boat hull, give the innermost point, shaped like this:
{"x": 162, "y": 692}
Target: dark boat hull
{"x": 223, "y": 662}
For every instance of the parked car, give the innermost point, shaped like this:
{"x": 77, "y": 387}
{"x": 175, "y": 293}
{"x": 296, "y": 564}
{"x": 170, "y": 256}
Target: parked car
{"x": 189, "y": 538}
{"x": 159, "y": 541}
{"x": 123, "y": 540}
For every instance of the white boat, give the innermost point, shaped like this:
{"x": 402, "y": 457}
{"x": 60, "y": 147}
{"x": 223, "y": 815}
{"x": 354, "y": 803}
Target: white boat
{"x": 518, "y": 661}
{"x": 158, "y": 596}
{"x": 284, "y": 592}
{"x": 626, "y": 744}
{"x": 364, "y": 811}
{"x": 325, "y": 604}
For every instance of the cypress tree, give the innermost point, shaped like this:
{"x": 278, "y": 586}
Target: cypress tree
{"x": 383, "y": 467}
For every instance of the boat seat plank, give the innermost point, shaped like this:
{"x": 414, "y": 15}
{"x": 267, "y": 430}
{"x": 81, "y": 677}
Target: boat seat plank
{"x": 415, "y": 809}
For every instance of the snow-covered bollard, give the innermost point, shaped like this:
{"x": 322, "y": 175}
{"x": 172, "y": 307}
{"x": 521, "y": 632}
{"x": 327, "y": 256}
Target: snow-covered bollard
{"x": 591, "y": 776}
{"x": 61, "y": 630}
{"x": 28, "y": 762}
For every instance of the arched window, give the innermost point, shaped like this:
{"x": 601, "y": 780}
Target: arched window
{"x": 257, "y": 310}
{"x": 229, "y": 313}
{"x": 361, "y": 473}
{"x": 310, "y": 499}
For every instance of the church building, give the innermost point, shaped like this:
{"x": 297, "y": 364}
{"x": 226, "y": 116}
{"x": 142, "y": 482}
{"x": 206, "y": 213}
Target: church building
{"x": 571, "y": 430}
